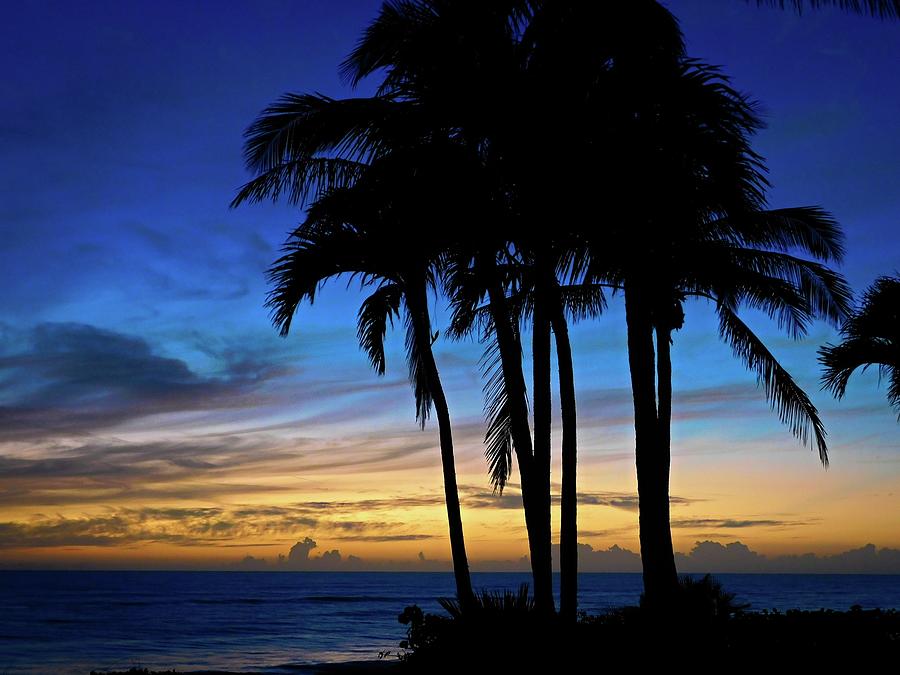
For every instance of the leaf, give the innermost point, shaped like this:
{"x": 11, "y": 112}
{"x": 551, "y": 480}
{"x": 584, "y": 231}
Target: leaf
{"x": 790, "y": 402}
{"x": 375, "y": 313}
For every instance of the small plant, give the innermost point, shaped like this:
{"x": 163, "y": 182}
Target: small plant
{"x": 482, "y": 632}
{"x": 705, "y": 599}
{"x": 423, "y": 630}
{"x": 701, "y": 600}
{"x": 490, "y": 603}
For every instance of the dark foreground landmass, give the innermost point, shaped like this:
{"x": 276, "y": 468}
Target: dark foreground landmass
{"x": 499, "y": 642}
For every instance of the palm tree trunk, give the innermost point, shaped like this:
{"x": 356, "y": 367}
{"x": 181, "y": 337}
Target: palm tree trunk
{"x": 543, "y": 407}
{"x": 417, "y": 304}
{"x": 664, "y": 389}
{"x": 660, "y": 577}
{"x": 568, "y": 535}
{"x": 514, "y": 381}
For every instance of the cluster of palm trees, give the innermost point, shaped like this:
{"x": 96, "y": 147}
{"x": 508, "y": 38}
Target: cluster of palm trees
{"x": 527, "y": 160}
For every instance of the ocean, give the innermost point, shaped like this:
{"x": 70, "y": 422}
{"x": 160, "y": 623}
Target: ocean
{"x": 73, "y": 622}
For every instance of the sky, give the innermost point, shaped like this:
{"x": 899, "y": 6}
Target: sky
{"x": 150, "y": 416}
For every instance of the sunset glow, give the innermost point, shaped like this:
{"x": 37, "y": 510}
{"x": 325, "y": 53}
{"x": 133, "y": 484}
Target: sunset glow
{"x": 150, "y": 416}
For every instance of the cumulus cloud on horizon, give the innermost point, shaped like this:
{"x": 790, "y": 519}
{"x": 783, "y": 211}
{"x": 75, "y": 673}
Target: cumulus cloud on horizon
{"x": 300, "y": 558}
{"x": 705, "y": 557}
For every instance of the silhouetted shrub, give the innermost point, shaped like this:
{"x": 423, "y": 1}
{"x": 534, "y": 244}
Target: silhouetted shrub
{"x": 704, "y": 623}
{"x": 507, "y": 604}
{"x": 501, "y": 631}
{"x": 704, "y": 599}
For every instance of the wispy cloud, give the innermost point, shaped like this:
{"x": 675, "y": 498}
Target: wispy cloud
{"x": 732, "y": 523}
{"x": 386, "y": 537}
{"x": 478, "y": 498}
{"x": 197, "y": 526}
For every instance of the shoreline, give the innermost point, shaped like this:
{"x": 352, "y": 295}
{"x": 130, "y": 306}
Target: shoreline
{"x": 332, "y": 668}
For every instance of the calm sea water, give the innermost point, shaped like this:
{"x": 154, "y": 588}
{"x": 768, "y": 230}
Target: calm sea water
{"x": 72, "y": 622}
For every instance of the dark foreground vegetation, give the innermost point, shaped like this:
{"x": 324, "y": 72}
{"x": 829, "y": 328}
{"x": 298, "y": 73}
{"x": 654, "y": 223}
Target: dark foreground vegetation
{"x": 704, "y": 630}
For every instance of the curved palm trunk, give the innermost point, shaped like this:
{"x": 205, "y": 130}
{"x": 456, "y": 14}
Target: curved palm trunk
{"x": 657, "y": 557}
{"x": 514, "y": 381}
{"x": 568, "y": 536}
{"x": 418, "y": 308}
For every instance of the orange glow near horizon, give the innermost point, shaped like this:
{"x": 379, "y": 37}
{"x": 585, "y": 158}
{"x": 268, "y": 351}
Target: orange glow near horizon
{"x": 390, "y": 516}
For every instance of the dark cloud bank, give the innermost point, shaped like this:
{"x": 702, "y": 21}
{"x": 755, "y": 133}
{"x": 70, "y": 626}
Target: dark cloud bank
{"x": 712, "y": 556}
{"x": 75, "y": 379}
{"x": 705, "y": 556}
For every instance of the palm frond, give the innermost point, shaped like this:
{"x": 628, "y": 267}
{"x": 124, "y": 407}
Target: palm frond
{"x": 376, "y": 312}
{"x": 300, "y": 180}
{"x": 418, "y": 371}
{"x": 300, "y": 126}
{"x": 778, "y": 298}
{"x": 871, "y": 337}
{"x": 382, "y": 42}
{"x": 466, "y": 292}
{"x": 789, "y": 289}
{"x": 879, "y": 313}
{"x": 582, "y": 301}
{"x": 788, "y": 400}
{"x": 708, "y": 124}
{"x": 437, "y": 48}
{"x": 840, "y": 361}
{"x": 311, "y": 258}
{"x": 498, "y": 443}
{"x": 884, "y": 9}
{"x": 894, "y": 389}
{"x": 809, "y": 229}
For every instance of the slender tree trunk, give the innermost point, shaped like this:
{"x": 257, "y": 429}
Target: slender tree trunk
{"x": 657, "y": 559}
{"x": 543, "y": 406}
{"x": 664, "y": 389}
{"x": 514, "y": 381}
{"x": 417, "y": 304}
{"x": 568, "y": 536}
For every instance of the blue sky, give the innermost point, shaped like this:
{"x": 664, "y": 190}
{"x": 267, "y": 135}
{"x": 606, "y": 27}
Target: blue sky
{"x": 132, "y": 316}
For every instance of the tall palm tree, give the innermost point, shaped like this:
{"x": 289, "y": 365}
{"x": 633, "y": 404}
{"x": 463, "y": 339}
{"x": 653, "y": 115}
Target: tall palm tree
{"x": 346, "y": 232}
{"x": 705, "y": 234}
{"x": 563, "y": 304}
{"x": 476, "y": 273}
{"x": 794, "y": 290}
{"x": 871, "y": 337}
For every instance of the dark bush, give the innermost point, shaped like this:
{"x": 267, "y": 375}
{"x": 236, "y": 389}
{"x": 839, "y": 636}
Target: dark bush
{"x": 704, "y": 626}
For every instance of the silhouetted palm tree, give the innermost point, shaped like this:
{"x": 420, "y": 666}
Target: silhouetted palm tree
{"x": 703, "y": 232}
{"x": 353, "y": 157}
{"x": 563, "y": 304}
{"x": 871, "y": 337}
{"x": 650, "y": 262}
{"x": 338, "y": 237}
